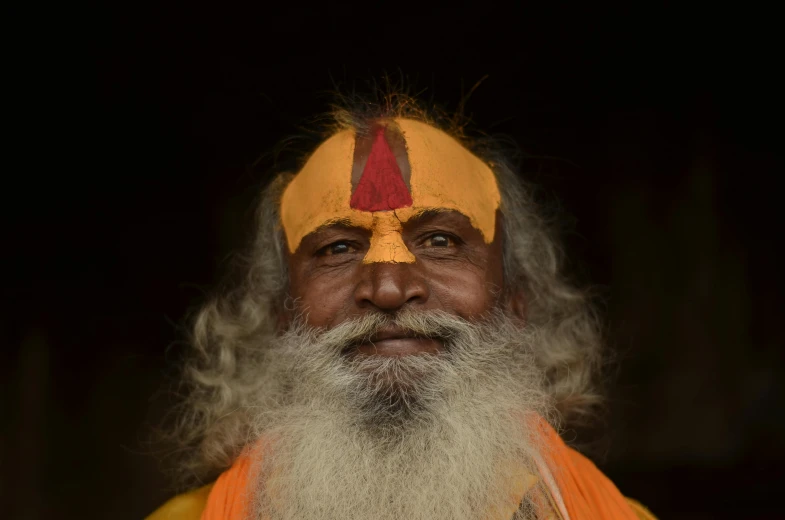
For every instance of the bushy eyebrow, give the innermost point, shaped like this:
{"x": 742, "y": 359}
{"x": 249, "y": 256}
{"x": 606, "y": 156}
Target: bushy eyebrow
{"x": 337, "y": 224}
{"x": 347, "y": 225}
{"x": 430, "y": 214}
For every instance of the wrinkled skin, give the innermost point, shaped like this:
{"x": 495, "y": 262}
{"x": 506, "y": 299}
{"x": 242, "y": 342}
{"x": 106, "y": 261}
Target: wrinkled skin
{"x": 455, "y": 271}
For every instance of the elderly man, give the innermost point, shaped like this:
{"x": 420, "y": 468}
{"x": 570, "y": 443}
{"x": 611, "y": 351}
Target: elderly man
{"x": 401, "y": 345}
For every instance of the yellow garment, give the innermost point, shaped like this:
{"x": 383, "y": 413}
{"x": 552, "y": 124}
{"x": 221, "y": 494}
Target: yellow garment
{"x": 188, "y": 506}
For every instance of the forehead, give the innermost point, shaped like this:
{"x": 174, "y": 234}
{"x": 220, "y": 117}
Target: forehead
{"x": 418, "y": 167}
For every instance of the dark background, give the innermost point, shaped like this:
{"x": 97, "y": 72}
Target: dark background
{"x": 658, "y": 129}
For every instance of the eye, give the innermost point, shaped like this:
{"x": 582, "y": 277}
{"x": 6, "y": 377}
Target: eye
{"x": 440, "y": 240}
{"x": 336, "y": 248}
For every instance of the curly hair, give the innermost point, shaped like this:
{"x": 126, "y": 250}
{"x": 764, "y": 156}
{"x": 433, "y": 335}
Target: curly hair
{"x": 229, "y": 333}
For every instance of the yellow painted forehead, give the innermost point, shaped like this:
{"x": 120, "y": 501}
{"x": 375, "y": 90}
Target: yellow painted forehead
{"x": 442, "y": 175}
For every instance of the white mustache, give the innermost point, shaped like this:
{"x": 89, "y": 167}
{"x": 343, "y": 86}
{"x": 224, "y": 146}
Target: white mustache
{"x": 425, "y": 324}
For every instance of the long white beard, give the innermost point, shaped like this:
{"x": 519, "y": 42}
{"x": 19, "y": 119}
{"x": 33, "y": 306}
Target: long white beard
{"x": 418, "y": 437}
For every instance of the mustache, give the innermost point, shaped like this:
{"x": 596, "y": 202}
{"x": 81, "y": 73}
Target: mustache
{"x": 351, "y": 333}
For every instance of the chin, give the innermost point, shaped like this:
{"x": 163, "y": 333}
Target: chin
{"x": 397, "y": 391}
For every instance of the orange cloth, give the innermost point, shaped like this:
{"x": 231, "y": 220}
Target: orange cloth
{"x": 582, "y": 489}
{"x": 586, "y": 493}
{"x": 228, "y": 499}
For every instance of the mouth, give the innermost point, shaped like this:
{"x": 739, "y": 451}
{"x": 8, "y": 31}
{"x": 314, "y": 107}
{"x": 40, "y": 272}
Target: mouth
{"x": 398, "y": 342}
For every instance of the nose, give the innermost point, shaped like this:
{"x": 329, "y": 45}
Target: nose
{"x": 388, "y": 286}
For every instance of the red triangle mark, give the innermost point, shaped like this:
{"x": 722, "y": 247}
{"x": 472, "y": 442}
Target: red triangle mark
{"x": 381, "y": 186}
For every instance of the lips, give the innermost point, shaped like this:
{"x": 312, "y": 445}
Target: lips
{"x": 389, "y": 333}
{"x": 396, "y": 342}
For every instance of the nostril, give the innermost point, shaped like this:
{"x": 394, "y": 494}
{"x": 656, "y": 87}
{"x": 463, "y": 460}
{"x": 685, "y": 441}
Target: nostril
{"x": 390, "y": 286}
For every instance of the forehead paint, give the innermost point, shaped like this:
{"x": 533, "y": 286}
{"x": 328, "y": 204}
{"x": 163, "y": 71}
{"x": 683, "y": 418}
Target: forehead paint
{"x": 386, "y": 241}
{"x": 447, "y": 176}
{"x": 381, "y": 186}
{"x": 441, "y": 175}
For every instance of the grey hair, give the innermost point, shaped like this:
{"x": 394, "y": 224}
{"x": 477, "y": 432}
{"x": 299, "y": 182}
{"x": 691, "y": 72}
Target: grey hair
{"x": 231, "y": 331}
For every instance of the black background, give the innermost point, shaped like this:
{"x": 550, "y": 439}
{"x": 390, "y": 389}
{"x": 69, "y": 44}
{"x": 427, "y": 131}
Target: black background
{"x": 133, "y": 135}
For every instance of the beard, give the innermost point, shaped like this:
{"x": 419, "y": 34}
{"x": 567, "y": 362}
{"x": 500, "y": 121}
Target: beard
{"x": 436, "y": 436}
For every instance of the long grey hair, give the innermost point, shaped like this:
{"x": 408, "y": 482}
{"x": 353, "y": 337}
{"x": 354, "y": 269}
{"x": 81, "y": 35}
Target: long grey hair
{"x": 228, "y": 338}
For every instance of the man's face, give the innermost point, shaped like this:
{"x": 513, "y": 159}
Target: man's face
{"x": 405, "y": 217}
{"x": 454, "y": 271}
{"x": 398, "y": 364}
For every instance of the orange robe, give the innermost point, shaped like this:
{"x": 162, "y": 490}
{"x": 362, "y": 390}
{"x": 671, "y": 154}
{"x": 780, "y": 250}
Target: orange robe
{"x": 582, "y": 492}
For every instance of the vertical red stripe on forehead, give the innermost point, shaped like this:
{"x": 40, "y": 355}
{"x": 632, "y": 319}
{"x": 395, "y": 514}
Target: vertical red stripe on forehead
{"x": 381, "y": 186}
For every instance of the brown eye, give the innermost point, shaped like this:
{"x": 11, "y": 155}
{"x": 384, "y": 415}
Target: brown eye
{"x": 337, "y": 248}
{"x": 440, "y": 240}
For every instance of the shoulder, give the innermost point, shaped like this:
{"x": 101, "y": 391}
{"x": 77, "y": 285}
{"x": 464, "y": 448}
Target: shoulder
{"x": 601, "y": 490}
{"x": 640, "y": 510}
{"x": 188, "y": 506}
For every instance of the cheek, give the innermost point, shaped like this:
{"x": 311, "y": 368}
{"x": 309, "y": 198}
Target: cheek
{"x": 324, "y": 299}
{"x": 474, "y": 287}
{"x": 468, "y": 293}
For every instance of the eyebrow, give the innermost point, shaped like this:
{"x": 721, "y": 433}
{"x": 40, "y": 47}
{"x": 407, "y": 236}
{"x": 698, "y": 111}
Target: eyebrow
{"x": 432, "y": 213}
{"x": 339, "y": 223}
{"x": 419, "y": 218}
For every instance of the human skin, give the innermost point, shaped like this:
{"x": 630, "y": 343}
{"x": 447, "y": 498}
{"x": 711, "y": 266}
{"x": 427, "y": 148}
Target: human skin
{"x": 455, "y": 271}
{"x": 362, "y": 180}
